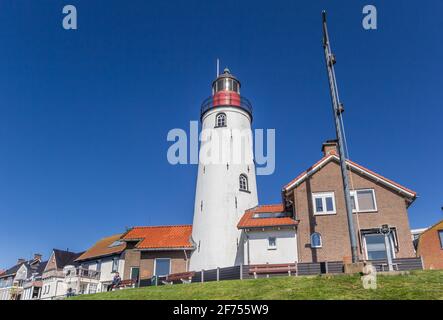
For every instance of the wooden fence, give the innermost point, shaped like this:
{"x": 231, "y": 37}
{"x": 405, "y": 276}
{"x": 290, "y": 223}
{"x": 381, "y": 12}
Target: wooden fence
{"x": 402, "y": 264}
{"x": 313, "y": 268}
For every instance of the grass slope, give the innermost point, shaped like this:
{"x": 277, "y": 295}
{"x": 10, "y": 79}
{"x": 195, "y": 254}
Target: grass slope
{"x": 416, "y": 285}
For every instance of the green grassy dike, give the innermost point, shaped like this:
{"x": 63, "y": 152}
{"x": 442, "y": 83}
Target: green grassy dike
{"x": 416, "y": 285}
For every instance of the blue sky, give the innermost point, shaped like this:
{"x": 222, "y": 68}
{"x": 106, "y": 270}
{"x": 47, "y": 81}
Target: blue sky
{"x": 84, "y": 114}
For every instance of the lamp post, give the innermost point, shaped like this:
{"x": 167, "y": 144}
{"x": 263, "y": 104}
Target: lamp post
{"x": 337, "y": 107}
{"x": 386, "y": 231}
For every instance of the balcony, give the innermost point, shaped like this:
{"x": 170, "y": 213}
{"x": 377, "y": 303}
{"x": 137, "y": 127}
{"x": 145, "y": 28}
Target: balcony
{"x": 229, "y": 100}
{"x": 83, "y": 273}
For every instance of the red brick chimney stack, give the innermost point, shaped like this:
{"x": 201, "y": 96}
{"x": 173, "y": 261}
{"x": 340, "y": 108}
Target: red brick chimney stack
{"x": 330, "y": 147}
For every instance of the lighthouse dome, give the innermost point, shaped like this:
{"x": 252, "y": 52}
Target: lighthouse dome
{"x": 226, "y": 82}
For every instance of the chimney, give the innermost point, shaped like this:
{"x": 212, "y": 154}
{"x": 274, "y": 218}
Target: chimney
{"x": 330, "y": 146}
{"x": 20, "y": 260}
{"x": 37, "y": 256}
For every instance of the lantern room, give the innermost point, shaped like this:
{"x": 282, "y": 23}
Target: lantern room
{"x": 226, "y": 93}
{"x": 226, "y": 82}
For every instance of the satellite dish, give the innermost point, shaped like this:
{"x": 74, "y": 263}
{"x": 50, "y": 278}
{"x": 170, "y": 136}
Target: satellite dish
{"x": 69, "y": 270}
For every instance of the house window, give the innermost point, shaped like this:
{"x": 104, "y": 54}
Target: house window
{"x": 363, "y": 200}
{"x": 316, "y": 241}
{"x": 272, "y": 243}
{"x": 162, "y": 267}
{"x": 98, "y": 266}
{"x": 324, "y": 203}
{"x": 440, "y": 234}
{"x": 243, "y": 183}
{"x": 220, "y": 120}
{"x": 115, "y": 244}
{"x": 376, "y": 247}
{"x": 92, "y": 288}
{"x": 47, "y": 288}
{"x": 115, "y": 265}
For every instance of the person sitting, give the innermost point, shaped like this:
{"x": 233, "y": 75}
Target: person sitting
{"x": 115, "y": 282}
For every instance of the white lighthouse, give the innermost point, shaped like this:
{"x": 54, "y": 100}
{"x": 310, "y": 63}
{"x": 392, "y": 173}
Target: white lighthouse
{"x": 226, "y": 184}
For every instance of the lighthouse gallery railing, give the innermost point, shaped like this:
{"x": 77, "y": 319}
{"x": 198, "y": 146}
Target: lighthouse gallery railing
{"x": 234, "y": 101}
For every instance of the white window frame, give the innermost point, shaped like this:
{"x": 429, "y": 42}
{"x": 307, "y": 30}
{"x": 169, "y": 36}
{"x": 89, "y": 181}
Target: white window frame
{"x": 391, "y": 242}
{"x": 117, "y": 264}
{"x": 321, "y": 240}
{"x": 274, "y": 247}
{"x": 155, "y": 266}
{"x": 323, "y": 196}
{"x": 353, "y": 193}
{"x": 94, "y": 286}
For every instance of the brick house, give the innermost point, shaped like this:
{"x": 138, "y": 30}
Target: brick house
{"x": 430, "y": 246}
{"x": 310, "y": 225}
{"x": 317, "y": 200}
{"x": 156, "y": 250}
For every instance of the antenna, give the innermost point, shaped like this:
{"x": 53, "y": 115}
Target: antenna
{"x": 337, "y": 108}
{"x": 218, "y": 67}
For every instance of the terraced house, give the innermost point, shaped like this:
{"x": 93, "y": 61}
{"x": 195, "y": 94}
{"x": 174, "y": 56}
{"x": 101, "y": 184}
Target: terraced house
{"x": 32, "y": 285}
{"x": 53, "y": 277}
{"x": 18, "y": 282}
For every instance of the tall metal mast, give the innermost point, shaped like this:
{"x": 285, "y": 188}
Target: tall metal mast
{"x": 337, "y": 110}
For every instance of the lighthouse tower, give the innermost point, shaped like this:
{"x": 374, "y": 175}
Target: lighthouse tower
{"x": 226, "y": 184}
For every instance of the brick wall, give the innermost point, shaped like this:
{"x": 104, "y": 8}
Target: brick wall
{"x": 147, "y": 258}
{"x": 429, "y": 247}
{"x": 334, "y": 228}
{"x": 132, "y": 259}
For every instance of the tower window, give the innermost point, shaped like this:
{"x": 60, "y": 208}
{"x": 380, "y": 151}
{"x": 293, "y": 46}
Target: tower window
{"x": 243, "y": 180}
{"x": 220, "y": 120}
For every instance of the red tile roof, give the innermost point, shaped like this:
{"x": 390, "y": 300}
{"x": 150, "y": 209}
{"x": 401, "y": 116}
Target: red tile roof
{"x": 104, "y": 247}
{"x": 161, "y": 237}
{"x": 353, "y": 167}
{"x": 249, "y": 221}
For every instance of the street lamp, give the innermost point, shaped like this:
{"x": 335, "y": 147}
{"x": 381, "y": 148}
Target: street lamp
{"x": 386, "y": 231}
